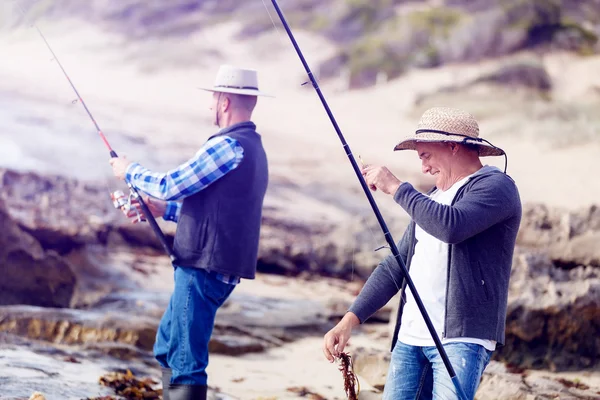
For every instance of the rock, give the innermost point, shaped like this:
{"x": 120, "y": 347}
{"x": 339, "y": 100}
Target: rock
{"x": 71, "y": 217}
{"x": 527, "y": 75}
{"x": 49, "y": 370}
{"x": 64, "y": 214}
{"x": 232, "y": 345}
{"x": 553, "y": 317}
{"x": 31, "y": 275}
{"x": 33, "y": 368}
{"x": 123, "y": 324}
{"x": 77, "y": 327}
{"x": 582, "y": 250}
{"x": 545, "y": 227}
{"x": 245, "y": 311}
{"x": 498, "y": 383}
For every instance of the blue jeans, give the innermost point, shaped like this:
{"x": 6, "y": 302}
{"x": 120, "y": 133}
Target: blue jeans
{"x": 419, "y": 372}
{"x": 187, "y": 324}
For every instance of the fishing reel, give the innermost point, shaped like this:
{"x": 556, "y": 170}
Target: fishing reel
{"x": 126, "y": 203}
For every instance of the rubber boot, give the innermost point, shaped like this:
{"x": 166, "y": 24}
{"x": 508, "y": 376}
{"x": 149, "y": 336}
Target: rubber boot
{"x": 166, "y": 381}
{"x": 187, "y": 392}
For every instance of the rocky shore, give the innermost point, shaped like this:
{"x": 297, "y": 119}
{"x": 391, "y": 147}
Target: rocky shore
{"x": 82, "y": 283}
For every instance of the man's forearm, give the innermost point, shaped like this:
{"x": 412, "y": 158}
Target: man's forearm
{"x": 483, "y": 206}
{"x": 382, "y": 285}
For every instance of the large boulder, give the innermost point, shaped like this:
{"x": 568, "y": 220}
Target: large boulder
{"x": 65, "y": 214}
{"x": 31, "y": 275}
{"x": 569, "y": 237}
{"x": 553, "y": 318}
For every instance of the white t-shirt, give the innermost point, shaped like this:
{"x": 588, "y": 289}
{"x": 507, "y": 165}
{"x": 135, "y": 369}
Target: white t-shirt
{"x": 428, "y": 270}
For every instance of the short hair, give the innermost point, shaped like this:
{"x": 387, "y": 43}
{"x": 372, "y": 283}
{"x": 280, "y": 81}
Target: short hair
{"x": 242, "y": 101}
{"x": 470, "y": 147}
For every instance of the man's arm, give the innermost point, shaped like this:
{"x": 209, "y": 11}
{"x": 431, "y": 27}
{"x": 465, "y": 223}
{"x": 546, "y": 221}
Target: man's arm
{"x": 489, "y": 201}
{"x": 383, "y": 284}
{"x": 214, "y": 160}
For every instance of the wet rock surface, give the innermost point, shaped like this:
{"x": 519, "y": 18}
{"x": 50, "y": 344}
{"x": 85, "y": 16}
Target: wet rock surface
{"x": 65, "y": 372}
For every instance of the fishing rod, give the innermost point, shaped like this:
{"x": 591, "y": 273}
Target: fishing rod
{"x": 118, "y": 197}
{"x": 380, "y": 219}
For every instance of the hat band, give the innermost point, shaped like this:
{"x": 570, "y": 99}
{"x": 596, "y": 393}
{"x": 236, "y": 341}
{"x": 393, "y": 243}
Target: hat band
{"x": 466, "y": 137}
{"x": 237, "y": 87}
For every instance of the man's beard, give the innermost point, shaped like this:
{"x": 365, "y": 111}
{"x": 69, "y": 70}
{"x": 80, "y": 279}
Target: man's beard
{"x": 216, "y": 120}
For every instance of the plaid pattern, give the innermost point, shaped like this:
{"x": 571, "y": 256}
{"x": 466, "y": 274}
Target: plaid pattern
{"x": 172, "y": 211}
{"x": 217, "y": 157}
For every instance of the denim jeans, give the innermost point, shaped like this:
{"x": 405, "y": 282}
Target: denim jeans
{"x": 419, "y": 372}
{"x": 187, "y": 324}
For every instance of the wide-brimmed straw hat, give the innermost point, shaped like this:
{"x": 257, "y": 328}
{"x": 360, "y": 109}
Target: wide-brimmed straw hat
{"x": 444, "y": 124}
{"x": 236, "y": 80}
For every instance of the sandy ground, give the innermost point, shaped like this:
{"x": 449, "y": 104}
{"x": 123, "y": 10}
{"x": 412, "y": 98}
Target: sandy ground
{"x": 270, "y": 375}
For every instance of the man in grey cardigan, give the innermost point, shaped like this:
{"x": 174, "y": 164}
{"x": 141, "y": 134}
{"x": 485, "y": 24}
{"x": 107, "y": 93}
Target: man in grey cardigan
{"x": 458, "y": 248}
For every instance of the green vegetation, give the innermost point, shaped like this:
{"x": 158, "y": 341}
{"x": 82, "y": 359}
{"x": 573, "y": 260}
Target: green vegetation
{"x": 547, "y": 23}
{"x": 439, "y": 21}
{"x": 391, "y": 43}
{"x": 399, "y": 43}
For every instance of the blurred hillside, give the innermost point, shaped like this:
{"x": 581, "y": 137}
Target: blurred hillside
{"x": 376, "y": 39}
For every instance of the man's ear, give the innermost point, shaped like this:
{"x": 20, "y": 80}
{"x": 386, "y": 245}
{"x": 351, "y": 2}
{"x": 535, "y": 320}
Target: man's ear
{"x": 226, "y": 104}
{"x": 454, "y": 147}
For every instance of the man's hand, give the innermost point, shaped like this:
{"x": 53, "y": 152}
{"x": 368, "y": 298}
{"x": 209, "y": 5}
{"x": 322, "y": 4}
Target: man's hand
{"x": 335, "y": 340}
{"x": 119, "y": 166}
{"x": 380, "y": 178}
{"x": 157, "y": 208}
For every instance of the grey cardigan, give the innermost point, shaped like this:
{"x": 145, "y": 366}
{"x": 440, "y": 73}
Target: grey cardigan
{"x": 481, "y": 228}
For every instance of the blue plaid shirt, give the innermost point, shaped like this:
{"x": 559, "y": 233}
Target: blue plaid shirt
{"x": 216, "y": 157}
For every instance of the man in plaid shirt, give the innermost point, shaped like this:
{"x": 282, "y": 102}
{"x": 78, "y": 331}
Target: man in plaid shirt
{"x": 218, "y": 156}
{"x": 216, "y": 199}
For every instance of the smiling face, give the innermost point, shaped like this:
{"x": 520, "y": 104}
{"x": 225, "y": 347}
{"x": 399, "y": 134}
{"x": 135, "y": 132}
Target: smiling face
{"x": 437, "y": 159}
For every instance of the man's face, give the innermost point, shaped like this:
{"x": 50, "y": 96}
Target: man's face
{"x": 436, "y": 159}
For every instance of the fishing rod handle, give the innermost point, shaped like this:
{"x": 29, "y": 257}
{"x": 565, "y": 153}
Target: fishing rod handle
{"x": 153, "y": 224}
{"x": 149, "y": 217}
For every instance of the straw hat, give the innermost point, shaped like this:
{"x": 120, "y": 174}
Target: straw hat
{"x": 443, "y": 124}
{"x": 236, "y": 80}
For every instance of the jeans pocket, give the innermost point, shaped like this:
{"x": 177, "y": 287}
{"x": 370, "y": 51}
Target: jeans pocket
{"x": 216, "y": 290}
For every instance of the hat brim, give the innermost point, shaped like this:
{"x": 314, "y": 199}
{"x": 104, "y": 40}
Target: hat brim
{"x": 410, "y": 143}
{"x": 247, "y": 92}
